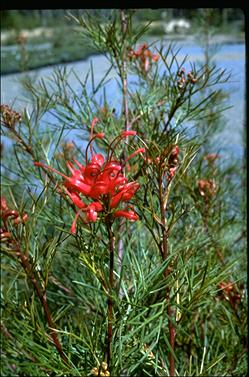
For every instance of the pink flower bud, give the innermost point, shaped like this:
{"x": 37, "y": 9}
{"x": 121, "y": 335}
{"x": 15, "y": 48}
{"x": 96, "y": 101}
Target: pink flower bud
{"x": 94, "y": 121}
{"x": 155, "y": 57}
{"x": 73, "y": 227}
{"x": 100, "y": 135}
{"x": 175, "y": 151}
{"x": 140, "y": 150}
{"x": 4, "y": 205}
{"x": 128, "y": 133}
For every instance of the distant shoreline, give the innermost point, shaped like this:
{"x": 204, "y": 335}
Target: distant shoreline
{"x": 47, "y": 65}
{"x": 216, "y": 39}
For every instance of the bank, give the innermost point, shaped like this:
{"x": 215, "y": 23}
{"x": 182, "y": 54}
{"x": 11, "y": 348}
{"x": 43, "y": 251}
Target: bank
{"x": 58, "y": 46}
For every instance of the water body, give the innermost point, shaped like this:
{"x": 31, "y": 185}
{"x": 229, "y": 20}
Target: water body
{"x": 228, "y": 56}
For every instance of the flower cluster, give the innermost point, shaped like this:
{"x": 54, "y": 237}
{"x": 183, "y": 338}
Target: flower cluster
{"x": 102, "y": 370}
{"x": 169, "y": 159}
{"x": 184, "y": 80}
{"x": 8, "y": 214}
{"x": 211, "y": 157}
{"x": 173, "y": 162}
{"x": 102, "y": 184}
{"x": 144, "y": 56}
{"x": 9, "y": 117}
{"x": 230, "y": 293}
{"x": 67, "y": 151}
{"x": 207, "y": 188}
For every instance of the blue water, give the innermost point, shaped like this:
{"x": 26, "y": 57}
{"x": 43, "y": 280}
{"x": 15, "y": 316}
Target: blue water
{"x": 230, "y": 57}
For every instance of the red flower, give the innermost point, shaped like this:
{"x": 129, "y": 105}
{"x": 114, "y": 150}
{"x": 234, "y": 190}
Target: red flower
{"x": 130, "y": 215}
{"x": 155, "y": 58}
{"x": 140, "y": 150}
{"x": 9, "y": 216}
{"x": 173, "y": 162}
{"x": 175, "y": 151}
{"x": 74, "y": 196}
{"x": 145, "y": 57}
{"x": 92, "y": 210}
{"x": 100, "y": 180}
{"x": 4, "y": 205}
{"x": 172, "y": 172}
{"x": 207, "y": 187}
{"x": 231, "y": 293}
{"x": 126, "y": 192}
{"x": 128, "y": 133}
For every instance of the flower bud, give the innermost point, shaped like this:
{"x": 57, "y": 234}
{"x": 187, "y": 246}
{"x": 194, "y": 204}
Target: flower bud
{"x": 128, "y": 133}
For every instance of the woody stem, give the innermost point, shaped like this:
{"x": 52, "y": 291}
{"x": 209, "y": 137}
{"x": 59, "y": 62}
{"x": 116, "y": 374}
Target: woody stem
{"x": 42, "y": 297}
{"x": 110, "y": 293}
{"x": 164, "y": 253}
{"x": 124, "y": 71}
{"x": 123, "y": 75}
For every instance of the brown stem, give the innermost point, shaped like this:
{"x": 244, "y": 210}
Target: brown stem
{"x": 42, "y": 297}
{"x": 164, "y": 252}
{"x": 121, "y": 243}
{"x": 123, "y": 75}
{"x": 172, "y": 342}
{"x": 124, "y": 71}
{"x": 110, "y": 302}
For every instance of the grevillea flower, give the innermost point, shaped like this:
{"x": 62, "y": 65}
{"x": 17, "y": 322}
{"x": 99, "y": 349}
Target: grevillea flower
{"x": 173, "y": 162}
{"x": 184, "y": 79}
{"x": 144, "y": 56}
{"x": 168, "y": 160}
{"x": 207, "y": 187}
{"x": 211, "y": 157}
{"x": 101, "y": 180}
{"x": 9, "y": 117}
{"x": 231, "y": 293}
{"x": 9, "y": 216}
{"x": 130, "y": 215}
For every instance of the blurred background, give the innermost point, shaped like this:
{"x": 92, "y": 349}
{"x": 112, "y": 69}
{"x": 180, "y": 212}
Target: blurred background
{"x": 35, "y": 42}
{"x": 36, "y": 38}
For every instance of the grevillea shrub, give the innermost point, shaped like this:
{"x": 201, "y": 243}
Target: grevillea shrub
{"x": 122, "y": 230}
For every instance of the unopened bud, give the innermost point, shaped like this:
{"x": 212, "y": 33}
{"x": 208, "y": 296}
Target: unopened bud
{"x": 104, "y": 365}
{"x": 128, "y": 133}
{"x": 100, "y": 135}
{"x": 95, "y": 371}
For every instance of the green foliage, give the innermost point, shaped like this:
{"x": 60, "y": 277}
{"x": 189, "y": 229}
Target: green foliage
{"x": 202, "y": 224}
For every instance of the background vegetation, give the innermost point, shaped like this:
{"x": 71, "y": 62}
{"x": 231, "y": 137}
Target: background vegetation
{"x": 36, "y": 35}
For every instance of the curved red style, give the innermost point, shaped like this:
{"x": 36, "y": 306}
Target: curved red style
{"x": 101, "y": 180}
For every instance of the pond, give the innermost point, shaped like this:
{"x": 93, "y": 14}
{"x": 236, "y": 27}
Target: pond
{"x": 228, "y": 56}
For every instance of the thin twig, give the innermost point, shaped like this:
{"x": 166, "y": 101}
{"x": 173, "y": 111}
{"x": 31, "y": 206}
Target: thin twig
{"x": 110, "y": 301}
{"x": 124, "y": 71}
{"x": 24, "y": 260}
{"x": 123, "y": 75}
{"x": 164, "y": 252}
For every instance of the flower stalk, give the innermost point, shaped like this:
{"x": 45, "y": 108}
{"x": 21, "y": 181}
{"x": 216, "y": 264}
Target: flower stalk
{"x": 43, "y": 299}
{"x": 123, "y": 75}
{"x": 164, "y": 253}
{"x": 8, "y": 215}
{"x": 110, "y": 293}
{"x": 123, "y": 72}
